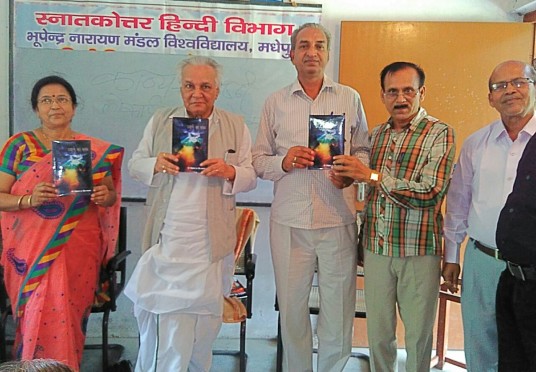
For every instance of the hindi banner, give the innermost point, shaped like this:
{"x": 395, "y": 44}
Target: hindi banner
{"x": 197, "y": 28}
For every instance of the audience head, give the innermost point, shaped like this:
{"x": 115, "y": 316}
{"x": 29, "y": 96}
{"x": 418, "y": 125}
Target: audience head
{"x": 35, "y": 365}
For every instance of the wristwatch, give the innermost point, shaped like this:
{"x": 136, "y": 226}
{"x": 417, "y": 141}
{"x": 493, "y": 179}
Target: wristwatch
{"x": 374, "y": 176}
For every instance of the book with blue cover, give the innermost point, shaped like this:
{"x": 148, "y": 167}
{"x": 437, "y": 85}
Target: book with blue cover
{"x": 190, "y": 143}
{"x": 71, "y": 167}
{"x": 326, "y": 138}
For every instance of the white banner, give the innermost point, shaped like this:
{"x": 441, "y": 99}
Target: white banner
{"x": 211, "y": 29}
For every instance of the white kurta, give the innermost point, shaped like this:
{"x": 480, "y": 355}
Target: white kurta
{"x": 176, "y": 274}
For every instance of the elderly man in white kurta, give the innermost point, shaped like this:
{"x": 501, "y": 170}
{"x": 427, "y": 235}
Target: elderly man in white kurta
{"x": 179, "y": 282}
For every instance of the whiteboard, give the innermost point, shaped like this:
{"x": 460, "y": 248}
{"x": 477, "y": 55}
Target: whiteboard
{"x": 118, "y": 93}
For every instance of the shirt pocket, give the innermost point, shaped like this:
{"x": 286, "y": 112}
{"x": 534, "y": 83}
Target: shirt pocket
{"x": 231, "y": 158}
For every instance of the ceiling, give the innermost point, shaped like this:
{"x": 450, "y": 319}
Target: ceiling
{"x": 520, "y": 7}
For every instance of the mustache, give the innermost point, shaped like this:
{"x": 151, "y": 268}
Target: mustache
{"x": 401, "y": 106}
{"x": 508, "y": 99}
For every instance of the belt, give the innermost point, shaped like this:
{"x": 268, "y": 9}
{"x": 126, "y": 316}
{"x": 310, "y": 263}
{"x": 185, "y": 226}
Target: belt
{"x": 521, "y": 272}
{"x": 487, "y": 250}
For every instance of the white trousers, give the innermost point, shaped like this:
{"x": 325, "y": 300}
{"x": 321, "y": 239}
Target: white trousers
{"x": 177, "y": 342}
{"x": 410, "y": 284}
{"x": 294, "y": 256}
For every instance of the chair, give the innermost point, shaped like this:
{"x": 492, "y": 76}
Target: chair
{"x": 445, "y": 299}
{"x": 247, "y": 222}
{"x": 314, "y": 309}
{"x": 5, "y": 312}
{"x": 3, "y": 319}
{"x": 115, "y": 278}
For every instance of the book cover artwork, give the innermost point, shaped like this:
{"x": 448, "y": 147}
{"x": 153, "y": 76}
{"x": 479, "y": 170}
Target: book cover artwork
{"x": 71, "y": 166}
{"x": 326, "y": 138}
{"x": 190, "y": 143}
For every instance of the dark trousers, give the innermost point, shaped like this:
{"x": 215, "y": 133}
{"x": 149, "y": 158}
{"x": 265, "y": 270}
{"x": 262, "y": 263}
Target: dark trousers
{"x": 516, "y": 323}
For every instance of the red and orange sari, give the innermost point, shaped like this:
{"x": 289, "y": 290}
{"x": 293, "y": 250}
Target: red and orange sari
{"x": 52, "y": 254}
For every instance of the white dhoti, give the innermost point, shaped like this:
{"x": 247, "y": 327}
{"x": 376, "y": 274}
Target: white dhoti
{"x": 178, "y": 292}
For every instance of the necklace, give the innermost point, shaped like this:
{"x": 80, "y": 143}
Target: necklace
{"x": 71, "y": 136}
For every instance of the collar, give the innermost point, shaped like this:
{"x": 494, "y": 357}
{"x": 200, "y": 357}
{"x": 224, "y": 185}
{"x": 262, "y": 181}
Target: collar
{"x": 211, "y": 116}
{"x": 327, "y": 84}
{"x": 498, "y": 130}
{"x": 213, "y": 119}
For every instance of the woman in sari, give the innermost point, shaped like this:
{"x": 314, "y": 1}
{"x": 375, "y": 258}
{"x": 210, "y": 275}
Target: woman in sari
{"x": 53, "y": 247}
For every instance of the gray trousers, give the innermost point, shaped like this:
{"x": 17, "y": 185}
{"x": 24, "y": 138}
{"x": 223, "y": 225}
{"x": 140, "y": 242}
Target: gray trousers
{"x": 479, "y": 288}
{"x": 411, "y": 285}
{"x": 294, "y": 255}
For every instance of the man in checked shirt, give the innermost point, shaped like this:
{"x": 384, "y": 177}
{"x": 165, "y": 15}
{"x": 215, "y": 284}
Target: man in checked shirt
{"x": 410, "y": 165}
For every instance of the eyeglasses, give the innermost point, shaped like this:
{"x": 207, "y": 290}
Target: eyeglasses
{"x": 407, "y": 93}
{"x": 516, "y": 83}
{"x": 48, "y": 101}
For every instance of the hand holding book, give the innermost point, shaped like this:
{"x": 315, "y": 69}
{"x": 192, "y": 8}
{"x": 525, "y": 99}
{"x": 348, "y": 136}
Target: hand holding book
{"x": 218, "y": 168}
{"x": 350, "y": 166}
{"x": 42, "y": 192}
{"x": 104, "y": 195}
{"x": 166, "y": 163}
{"x": 298, "y": 157}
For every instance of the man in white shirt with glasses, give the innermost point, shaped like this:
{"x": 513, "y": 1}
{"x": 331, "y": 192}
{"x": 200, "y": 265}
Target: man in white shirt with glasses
{"x": 482, "y": 180}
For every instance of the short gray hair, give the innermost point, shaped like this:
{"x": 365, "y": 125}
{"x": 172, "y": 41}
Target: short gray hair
{"x": 35, "y": 365}
{"x": 309, "y": 25}
{"x": 201, "y": 61}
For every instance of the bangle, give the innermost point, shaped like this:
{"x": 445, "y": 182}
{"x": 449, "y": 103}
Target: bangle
{"x": 30, "y": 201}
{"x": 20, "y": 201}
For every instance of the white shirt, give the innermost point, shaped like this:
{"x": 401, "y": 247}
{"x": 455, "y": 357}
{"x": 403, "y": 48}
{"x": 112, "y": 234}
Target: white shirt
{"x": 305, "y": 198}
{"x": 482, "y": 180}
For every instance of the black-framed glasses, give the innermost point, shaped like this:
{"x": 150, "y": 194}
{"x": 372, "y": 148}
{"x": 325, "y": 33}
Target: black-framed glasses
{"x": 407, "y": 93}
{"x": 518, "y": 83}
{"x": 48, "y": 101}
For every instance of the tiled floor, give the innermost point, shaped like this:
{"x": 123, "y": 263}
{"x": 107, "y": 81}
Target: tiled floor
{"x": 261, "y": 357}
